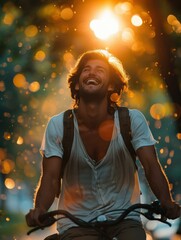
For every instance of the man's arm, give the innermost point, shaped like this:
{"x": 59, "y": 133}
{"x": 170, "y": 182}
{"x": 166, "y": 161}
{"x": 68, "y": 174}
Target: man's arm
{"x": 48, "y": 188}
{"x": 157, "y": 180}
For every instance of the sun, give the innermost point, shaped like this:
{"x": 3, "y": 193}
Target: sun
{"x": 105, "y": 25}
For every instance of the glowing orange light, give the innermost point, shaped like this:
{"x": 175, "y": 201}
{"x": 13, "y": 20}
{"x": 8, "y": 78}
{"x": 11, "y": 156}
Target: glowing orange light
{"x": 8, "y": 19}
{"x": 7, "y": 219}
{"x": 66, "y": 13}
{"x": 20, "y": 119}
{"x": 136, "y": 20}
{"x": 105, "y": 130}
{"x": 19, "y": 80}
{"x": 9, "y": 183}
{"x": 34, "y": 86}
{"x": 122, "y": 8}
{"x": 7, "y": 135}
{"x": 114, "y": 97}
{"x": 179, "y": 136}
{"x": 31, "y": 31}
{"x": 105, "y": 26}
{"x": 69, "y": 60}
{"x": 169, "y": 161}
{"x": 174, "y": 22}
{"x": 158, "y": 111}
{"x": 171, "y": 18}
{"x": 40, "y": 55}
{"x": 20, "y": 140}
{"x": 172, "y": 152}
{"x": 7, "y": 166}
{"x": 164, "y": 151}
{"x": 2, "y": 86}
{"x": 128, "y": 35}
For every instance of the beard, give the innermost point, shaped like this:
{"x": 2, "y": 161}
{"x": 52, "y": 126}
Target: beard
{"x": 93, "y": 96}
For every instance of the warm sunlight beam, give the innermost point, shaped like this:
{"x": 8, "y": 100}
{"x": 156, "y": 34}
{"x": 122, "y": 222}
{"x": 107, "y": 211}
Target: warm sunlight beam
{"x": 105, "y": 26}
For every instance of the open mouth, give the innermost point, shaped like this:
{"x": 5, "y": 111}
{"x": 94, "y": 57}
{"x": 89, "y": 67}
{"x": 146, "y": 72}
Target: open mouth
{"x": 92, "y": 81}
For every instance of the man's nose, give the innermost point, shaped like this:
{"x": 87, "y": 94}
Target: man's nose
{"x": 92, "y": 72}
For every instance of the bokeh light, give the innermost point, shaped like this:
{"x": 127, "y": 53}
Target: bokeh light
{"x": 7, "y": 166}
{"x": 9, "y": 183}
{"x": 34, "y": 86}
{"x": 20, "y": 140}
{"x": 157, "y": 111}
{"x": 19, "y": 80}
{"x": 124, "y": 7}
{"x": 31, "y": 31}
{"x": 105, "y": 26}
{"x": 40, "y": 55}
{"x": 128, "y": 35}
{"x": 66, "y": 13}
{"x": 136, "y": 20}
{"x": 2, "y": 86}
{"x": 174, "y": 22}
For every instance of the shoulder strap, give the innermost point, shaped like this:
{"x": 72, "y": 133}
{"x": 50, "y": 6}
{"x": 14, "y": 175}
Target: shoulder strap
{"x": 125, "y": 128}
{"x": 68, "y": 135}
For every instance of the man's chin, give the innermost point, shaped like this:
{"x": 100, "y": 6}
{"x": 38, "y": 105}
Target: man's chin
{"x": 92, "y": 95}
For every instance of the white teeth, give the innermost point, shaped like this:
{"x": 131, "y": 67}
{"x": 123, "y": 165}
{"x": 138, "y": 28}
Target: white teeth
{"x": 92, "y": 81}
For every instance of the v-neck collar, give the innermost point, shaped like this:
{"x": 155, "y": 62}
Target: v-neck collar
{"x": 92, "y": 161}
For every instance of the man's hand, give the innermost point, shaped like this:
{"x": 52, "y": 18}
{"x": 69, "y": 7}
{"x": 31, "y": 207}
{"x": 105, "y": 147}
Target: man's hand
{"x": 172, "y": 210}
{"x": 32, "y": 218}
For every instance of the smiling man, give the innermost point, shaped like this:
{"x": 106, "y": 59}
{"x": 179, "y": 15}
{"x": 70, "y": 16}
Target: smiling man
{"x": 100, "y": 177}
{"x": 94, "y": 81}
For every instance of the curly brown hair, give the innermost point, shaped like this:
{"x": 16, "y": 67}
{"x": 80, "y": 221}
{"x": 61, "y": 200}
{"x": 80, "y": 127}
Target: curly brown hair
{"x": 118, "y": 76}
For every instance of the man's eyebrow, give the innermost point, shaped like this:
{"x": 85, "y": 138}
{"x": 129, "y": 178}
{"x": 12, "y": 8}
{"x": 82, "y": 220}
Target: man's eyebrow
{"x": 100, "y": 67}
{"x": 86, "y": 66}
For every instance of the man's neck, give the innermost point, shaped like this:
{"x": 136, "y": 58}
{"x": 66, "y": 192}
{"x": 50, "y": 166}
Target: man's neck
{"x": 92, "y": 114}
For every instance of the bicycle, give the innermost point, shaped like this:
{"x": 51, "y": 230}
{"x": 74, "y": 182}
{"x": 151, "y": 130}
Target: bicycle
{"x": 150, "y": 210}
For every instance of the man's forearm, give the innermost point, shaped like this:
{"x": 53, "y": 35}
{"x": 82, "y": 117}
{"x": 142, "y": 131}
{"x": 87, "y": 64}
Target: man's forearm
{"x": 159, "y": 185}
{"x": 44, "y": 195}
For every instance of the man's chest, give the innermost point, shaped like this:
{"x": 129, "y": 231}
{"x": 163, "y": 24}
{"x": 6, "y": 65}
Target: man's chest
{"x": 96, "y": 142}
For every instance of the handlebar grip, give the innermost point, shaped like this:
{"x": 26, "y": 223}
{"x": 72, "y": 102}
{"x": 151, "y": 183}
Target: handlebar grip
{"x": 157, "y": 208}
{"x": 47, "y": 221}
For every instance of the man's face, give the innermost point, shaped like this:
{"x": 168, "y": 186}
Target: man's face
{"x": 94, "y": 79}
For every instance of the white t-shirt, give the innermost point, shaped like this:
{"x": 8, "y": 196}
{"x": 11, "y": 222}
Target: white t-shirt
{"x": 90, "y": 189}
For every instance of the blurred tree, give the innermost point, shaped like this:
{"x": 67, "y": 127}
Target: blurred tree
{"x": 166, "y": 48}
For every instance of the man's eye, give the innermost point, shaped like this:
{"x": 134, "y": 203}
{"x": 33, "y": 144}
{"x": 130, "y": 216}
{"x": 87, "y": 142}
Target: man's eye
{"x": 100, "y": 70}
{"x": 85, "y": 69}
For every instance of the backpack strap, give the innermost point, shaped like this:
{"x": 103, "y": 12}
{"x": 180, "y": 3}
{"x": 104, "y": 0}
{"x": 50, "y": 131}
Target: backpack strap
{"x": 68, "y": 135}
{"x": 125, "y": 129}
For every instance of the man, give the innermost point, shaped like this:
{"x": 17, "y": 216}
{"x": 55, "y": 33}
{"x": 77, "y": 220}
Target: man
{"x": 100, "y": 176}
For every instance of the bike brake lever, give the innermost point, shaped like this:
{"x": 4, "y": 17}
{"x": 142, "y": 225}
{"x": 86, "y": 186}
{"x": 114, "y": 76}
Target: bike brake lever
{"x": 33, "y": 230}
{"x": 163, "y": 219}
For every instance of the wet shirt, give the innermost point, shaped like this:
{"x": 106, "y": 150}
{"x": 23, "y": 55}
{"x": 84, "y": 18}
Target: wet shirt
{"x": 90, "y": 188}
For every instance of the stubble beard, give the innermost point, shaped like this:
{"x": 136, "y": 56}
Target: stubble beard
{"x": 96, "y": 96}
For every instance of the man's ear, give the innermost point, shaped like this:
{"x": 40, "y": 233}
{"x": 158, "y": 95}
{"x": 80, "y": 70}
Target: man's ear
{"x": 110, "y": 87}
{"x": 77, "y": 86}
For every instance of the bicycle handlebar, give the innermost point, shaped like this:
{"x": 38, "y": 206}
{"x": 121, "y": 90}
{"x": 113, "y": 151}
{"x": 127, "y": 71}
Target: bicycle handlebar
{"x": 48, "y": 218}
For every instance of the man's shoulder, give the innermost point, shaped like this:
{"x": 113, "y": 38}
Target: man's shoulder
{"x": 135, "y": 113}
{"x": 131, "y": 111}
{"x": 57, "y": 118}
